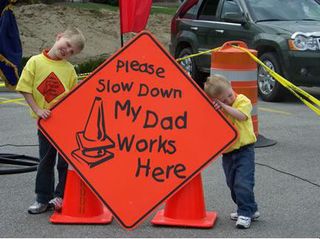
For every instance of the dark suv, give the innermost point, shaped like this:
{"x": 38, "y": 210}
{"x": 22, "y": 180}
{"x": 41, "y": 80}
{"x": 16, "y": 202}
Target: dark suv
{"x": 286, "y": 34}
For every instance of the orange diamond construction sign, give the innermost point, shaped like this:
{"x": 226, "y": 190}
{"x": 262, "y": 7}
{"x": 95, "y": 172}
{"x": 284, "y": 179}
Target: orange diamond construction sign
{"x": 137, "y": 129}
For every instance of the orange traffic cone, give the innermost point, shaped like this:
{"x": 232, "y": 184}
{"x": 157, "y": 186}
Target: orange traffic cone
{"x": 80, "y": 205}
{"x": 186, "y": 208}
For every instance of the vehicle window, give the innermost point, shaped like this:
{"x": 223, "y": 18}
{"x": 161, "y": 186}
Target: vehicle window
{"x": 190, "y": 13}
{"x": 208, "y": 10}
{"x": 289, "y": 10}
{"x": 230, "y": 6}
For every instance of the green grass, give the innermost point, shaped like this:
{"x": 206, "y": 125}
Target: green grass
{"x": 164, "y": 10}
{"x": 98, "y": 6}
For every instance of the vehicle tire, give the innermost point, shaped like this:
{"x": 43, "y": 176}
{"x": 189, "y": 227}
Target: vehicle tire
{"x": 190, "y": 66}
{"x": 270, "y": 89}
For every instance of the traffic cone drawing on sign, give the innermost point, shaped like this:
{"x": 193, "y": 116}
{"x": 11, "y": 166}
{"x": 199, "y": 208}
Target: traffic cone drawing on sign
{"x": 80, "y": 204}
{"x": 93, "y": 142}
{"x": 186, "y": 208}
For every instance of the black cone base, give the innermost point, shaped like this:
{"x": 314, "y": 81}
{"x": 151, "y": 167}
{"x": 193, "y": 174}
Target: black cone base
{"x": 264, "y": 142}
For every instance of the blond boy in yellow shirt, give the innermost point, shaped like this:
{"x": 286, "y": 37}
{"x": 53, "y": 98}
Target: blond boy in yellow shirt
{"x": 238, "y": 160}
{"x": 46, "y": 79}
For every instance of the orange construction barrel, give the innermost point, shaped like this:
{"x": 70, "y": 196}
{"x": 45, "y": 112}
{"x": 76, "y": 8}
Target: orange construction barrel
{"x": 238, "y": 67}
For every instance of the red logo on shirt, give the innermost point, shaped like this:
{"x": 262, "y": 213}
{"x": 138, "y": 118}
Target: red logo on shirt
{"x": 51, "y": 87}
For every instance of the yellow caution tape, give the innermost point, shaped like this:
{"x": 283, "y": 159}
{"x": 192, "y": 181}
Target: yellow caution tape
{"x": 197, "y": 54}
{"x": 310, "y": 101}
{"x": 15, "y": 101}
{"x": 83, "y": 75}
{"x": 313, "y": 103}
{"x": 80, "y": 77}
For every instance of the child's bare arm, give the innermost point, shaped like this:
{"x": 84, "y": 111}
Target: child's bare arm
{"x": 233, "y": 111}
{"x": 42, "y": 113}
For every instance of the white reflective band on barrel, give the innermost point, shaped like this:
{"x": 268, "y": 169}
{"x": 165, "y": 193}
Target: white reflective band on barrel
{"x": 249, "y": 75}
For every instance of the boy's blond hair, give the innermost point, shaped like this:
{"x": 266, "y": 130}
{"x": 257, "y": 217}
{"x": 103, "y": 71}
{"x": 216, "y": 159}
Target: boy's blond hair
{"x": 215, "y": 85}
{"x": 76, "y": 35}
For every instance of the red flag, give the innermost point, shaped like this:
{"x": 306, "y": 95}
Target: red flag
{"x": 134, "y": 15}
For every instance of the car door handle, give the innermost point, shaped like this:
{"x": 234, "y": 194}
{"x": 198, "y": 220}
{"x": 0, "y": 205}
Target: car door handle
{"x": 194, "y": 28}
{"x": 220, "y": 31}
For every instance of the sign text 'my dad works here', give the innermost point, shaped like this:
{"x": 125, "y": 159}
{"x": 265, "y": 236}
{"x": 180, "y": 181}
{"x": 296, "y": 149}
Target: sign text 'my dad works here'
{"x": 150, "y": 118}
{"x": 137, "y": 129}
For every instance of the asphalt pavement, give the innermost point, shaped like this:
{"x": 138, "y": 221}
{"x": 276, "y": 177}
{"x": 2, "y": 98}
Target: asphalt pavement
{"x": 287, "y": 181}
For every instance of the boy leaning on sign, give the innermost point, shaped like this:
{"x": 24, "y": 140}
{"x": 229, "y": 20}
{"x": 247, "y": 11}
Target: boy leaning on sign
{"x": 45, "y": 79}
{"x": 238, "y": 160}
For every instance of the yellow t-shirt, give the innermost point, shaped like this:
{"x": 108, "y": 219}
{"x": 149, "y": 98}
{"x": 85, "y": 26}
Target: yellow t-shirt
{"x": 47, "y": 80}
{"x": 245, "y": 128}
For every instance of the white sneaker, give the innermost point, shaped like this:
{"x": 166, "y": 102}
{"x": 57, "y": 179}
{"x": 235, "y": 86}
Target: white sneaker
{"x": 255, "y": 216}
{"x": 37, "y": 208}
{"x": 56, "y": 203}
{"x": 243, "y": 222}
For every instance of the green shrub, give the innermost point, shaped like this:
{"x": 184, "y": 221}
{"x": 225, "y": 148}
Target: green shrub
{"x": 90, "y": 65}
{"x": 85, "y": 67}
{"x": 110, "y": 2}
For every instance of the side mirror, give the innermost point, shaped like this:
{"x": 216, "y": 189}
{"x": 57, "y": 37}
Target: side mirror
{"x": 233, "y": 17}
